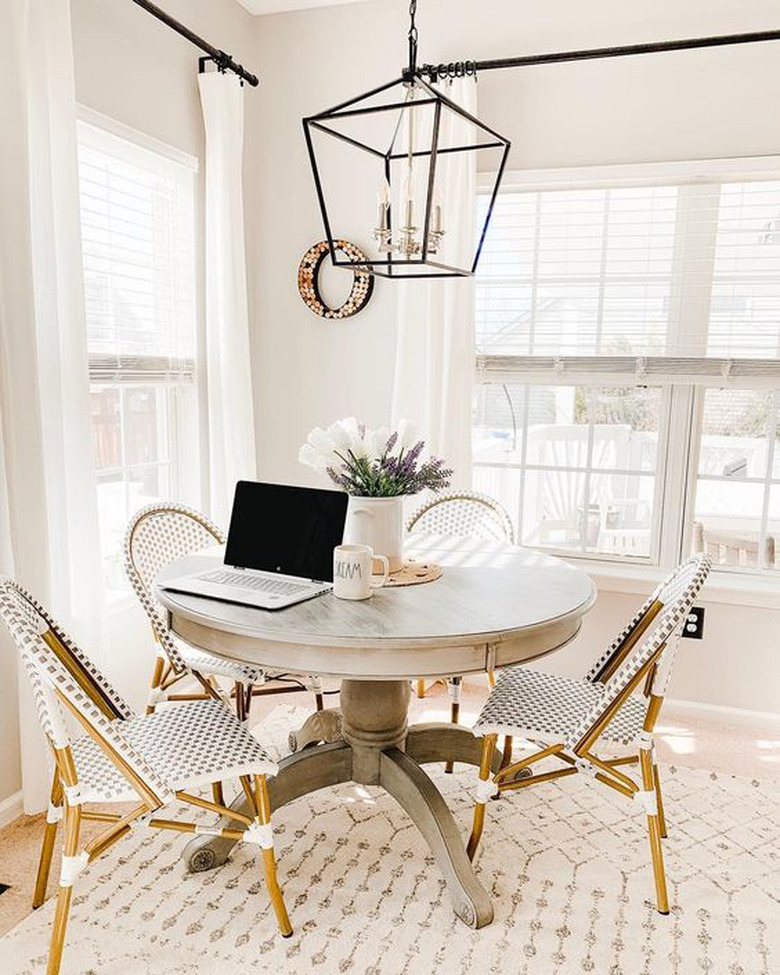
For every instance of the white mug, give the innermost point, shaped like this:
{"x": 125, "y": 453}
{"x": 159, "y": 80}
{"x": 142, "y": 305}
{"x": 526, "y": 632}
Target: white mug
{"x": 353, "y": 571}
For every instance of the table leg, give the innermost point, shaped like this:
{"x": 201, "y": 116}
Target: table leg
{"x": 322, "y": 726}
{"x": 299, "y": 774}
{"x": 406, "y": 782}
{"x": 376, "y": 735}
{"x": 429, "y": 742}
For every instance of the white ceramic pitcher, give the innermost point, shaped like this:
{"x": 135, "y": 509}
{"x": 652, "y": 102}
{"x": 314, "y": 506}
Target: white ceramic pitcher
{"x": 377, "y": 522}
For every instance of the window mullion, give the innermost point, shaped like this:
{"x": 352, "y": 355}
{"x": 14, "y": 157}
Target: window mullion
{"x": 770, "y": 462}
{"x": 685, "y": 438}
{"x": 693, "y": 266}
{"x": 527, "y": 390}
{"x": 585, "y": 519}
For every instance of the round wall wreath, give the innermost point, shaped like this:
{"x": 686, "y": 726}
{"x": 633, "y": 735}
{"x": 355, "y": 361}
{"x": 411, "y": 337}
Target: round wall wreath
{"x": 308, "y": 274}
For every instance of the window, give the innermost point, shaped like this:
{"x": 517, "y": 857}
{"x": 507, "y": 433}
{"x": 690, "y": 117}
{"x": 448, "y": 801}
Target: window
{"x": 138, "y": 231}
{"x": 628, "y": 340}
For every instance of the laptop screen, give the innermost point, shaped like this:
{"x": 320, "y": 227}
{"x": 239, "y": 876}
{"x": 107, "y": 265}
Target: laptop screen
{"x": 292, "y": 530}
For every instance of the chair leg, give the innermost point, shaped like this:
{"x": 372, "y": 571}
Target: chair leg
{"x": 453, "y": 686}
{"x": 263, "y": 807}
{"x": 240, "y": 701}
{"x": 65, "y": 893}
{"x": 314, "y": 684}
{"x": 491, "y": 676}
{"x": 659, "y": 801}
{"x": 485, "y": 771}
{"x": 159, "y": 666}
{"x": 49, "y": 836}
{"x": 506, "y": 754}
{"x": 654, "y": 830}
{"x": 420, "y": 691}
{"x": 218, "y": 793}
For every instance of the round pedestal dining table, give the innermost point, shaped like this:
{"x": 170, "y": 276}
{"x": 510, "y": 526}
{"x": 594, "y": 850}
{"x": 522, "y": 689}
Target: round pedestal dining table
{"x": 494, "y": 606}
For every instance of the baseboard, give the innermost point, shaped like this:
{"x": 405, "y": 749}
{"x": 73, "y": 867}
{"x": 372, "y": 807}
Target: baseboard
{"x": 11, "y": 808}
{"x": 724, "y": 713}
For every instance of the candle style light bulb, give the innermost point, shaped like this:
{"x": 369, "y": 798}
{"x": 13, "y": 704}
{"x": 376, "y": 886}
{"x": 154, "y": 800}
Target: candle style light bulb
{"x": 408, "y": 195}
{"x": 437, "y": 222}
{"x": 383, "y": 201}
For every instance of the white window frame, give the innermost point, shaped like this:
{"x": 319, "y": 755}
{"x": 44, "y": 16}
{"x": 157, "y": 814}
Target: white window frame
{"x": 181, "y": 399}
{"x": 680, "y": 430}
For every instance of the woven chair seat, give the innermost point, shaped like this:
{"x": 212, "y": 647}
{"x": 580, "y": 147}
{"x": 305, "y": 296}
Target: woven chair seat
{"x": 188, "y": 746}
{"x": 212, "y": 664}
{"x": 547, "y": 707}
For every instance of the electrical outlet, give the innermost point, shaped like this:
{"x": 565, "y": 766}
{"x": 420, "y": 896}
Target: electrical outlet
{"x": 694, "y": 623}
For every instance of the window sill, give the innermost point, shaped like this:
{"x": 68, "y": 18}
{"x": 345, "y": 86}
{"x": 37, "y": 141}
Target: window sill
{"x": 721, "y": 587}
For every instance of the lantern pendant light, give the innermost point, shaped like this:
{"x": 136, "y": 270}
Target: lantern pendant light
{"x": 389, "y": 172}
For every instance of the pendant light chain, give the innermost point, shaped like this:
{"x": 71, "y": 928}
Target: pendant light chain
{"x": 413, "y": 34}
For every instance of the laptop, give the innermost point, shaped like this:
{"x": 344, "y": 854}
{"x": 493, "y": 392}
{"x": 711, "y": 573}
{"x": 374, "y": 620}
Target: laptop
{"x": 279, "y": 548}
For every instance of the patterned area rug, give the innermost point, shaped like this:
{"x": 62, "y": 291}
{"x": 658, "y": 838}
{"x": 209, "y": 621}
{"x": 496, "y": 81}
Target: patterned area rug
{"x": 567, "y": 867}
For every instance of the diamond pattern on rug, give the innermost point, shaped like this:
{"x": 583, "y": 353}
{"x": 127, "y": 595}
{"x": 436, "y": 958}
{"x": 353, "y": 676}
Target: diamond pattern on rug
{"x": 567, "y": 866}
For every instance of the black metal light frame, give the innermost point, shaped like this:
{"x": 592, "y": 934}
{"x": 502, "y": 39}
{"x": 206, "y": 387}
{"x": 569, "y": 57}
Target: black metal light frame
{"x": 391, "y": 265}
{"x": 423, "y": 77}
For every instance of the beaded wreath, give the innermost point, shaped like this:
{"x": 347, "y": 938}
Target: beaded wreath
{"x": 308, "y": 274}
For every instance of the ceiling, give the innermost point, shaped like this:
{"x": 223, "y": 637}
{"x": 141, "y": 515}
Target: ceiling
{"x": 278, "y": 6}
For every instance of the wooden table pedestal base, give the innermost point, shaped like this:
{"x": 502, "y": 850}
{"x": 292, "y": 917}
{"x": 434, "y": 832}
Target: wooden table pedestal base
{"x": 379, "y": 748}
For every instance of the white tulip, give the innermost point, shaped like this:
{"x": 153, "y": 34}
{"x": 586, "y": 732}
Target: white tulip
{"x": 313, "y": 458}
{"x": 350, "y": 426}
{"x": 339, "y": 435}
{"x": 372, "y": 444}
{"x": 382, "y": 435}
{"x": 322, "y": 441}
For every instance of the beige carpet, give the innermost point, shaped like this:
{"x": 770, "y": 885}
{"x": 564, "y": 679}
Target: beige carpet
{"x": 567, "y": 866}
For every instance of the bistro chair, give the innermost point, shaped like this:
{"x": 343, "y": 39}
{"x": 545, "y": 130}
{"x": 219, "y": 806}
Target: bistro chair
{"x": 152, "y": 760}
{"x": 472, "y": 515}
{"x": 160, "y": 534}
{"x": 567, "y": 718}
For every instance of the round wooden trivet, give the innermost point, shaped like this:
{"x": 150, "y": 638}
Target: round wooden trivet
{"x": 414, "y": 574}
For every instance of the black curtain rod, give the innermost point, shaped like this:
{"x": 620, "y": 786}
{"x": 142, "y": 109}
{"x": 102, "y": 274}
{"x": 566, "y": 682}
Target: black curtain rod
{"x": 222, "y": 60}
{"x": 460, "y": 68}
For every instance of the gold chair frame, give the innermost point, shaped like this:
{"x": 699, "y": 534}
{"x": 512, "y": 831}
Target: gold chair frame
{"x": 70, "y": 681}
{"x": 504, "y": 524}
{"x": 169, "y": 669}
{"x": 581, "y": 757}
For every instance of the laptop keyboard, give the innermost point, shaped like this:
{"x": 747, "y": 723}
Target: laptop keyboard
{"x": 273, "y": 587}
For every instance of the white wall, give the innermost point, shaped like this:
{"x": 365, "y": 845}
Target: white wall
{"x": 661, "y": 107}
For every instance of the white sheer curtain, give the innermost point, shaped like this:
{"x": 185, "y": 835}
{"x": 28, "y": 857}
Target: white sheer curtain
{"x": 229, "y": 382}
{"x": 434, "y": 365}
{"x": 48, "y": 505}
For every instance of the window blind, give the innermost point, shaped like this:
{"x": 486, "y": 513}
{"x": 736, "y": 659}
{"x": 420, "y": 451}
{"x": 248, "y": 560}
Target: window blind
{"x": 137, "y": 224}
{"x": 666, "y": 279}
